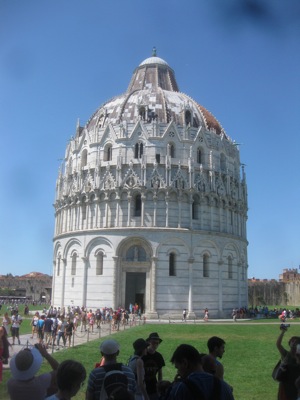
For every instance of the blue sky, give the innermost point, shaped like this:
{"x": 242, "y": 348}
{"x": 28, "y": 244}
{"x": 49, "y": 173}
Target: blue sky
{"x": 60, "y": 60}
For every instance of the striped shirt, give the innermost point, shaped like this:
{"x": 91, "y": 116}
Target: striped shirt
{"x": 97, "y": 376}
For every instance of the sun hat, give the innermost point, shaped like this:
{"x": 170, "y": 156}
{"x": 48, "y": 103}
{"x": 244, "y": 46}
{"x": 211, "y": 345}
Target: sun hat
{"x": 109, "y": 347}
{"x": 25, "y": 364}
{"x": 140, "y": 344}
{"x": 154, "y": 336}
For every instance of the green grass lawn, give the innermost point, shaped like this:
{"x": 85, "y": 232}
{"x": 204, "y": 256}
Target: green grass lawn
{"x": 248, "y": 361}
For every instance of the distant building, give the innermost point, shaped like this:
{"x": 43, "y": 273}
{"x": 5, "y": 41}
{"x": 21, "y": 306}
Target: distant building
{"x": 289, "y": 275}
{"x": 151, "y": 205}
{"x": 34, "y": 286}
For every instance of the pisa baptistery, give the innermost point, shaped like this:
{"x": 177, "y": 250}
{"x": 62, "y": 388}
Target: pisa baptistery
{"x": 151, "y": 206}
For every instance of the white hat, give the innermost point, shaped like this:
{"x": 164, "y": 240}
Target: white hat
{"x": 25, "y": 364}
{"x": 109, "y": 347}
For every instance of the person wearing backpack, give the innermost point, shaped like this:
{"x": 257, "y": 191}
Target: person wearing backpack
{"x": 193, "y": 383}
{"x": 136, "y": 363}
{"x": 110, "y": 350}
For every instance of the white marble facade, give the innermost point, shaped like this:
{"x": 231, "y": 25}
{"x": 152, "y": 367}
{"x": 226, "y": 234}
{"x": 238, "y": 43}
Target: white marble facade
{"x": 151, "y": 206}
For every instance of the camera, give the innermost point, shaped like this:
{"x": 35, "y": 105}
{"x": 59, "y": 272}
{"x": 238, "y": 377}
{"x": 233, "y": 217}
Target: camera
{"x": 284, "y": 326}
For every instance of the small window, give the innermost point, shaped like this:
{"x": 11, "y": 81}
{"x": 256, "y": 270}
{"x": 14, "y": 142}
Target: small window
{"x": 230, "y": 273}
{"x": 73, "y": 282}
{"x": 138, "y": 150}
{"x": 138, "y": 205}
{"x": 195, "y": 209}
{"x": 73, "y": 267}
{"x": 188, "y": 117}
{"x": 99, "y": 263}
{"x": 205, "y": 266}
{"x": 84, "y": 158}
{"x": 223, "y": 162}
{"x": 83, "y": 210}
{"x": 172, "y": 264}
{"x": 171, "y": 150}
{"x": 199, "y": 156}
{"x": 142, "y": 113}
{"x": 108, "y": 153}
{"x": 157, "y": 158}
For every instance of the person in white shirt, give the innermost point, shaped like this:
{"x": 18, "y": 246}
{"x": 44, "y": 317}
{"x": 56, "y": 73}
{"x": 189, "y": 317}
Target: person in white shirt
{"x": 16, "y": 321}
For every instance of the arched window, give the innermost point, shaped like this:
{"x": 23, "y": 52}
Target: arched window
{"x": 223, "y": 162}
{"x": 230, "y": 273}
{"x": 172, "y": 264}
{"x": 83, "y": 211}
{"x": 137, "y": 205}
{"x": 205, "y": 266}
{"x": 195, "y": 208}
{"x": 172, "y": 150}
{"x": 136, "y": 253}
{"x": 99, "y": 263}
{"x": 84, "y": 158}
{"x": 188, "y": 117}
{"x": 138, "y": 150}
{"x": 142, "y": 113}
{"x": 73, "y": 280}
{"x": 200, "y": 159}
{"x": 73, "y": 266}
{"x": 108, "y": 153}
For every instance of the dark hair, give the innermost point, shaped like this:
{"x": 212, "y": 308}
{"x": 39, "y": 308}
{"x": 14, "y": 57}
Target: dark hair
{"x": 213, "y": 342}
{"x": 68, "y": 373}
{"x": 188, "y": 352}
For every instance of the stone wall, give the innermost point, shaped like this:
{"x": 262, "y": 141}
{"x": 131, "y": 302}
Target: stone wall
{"x": 272, "y": 292}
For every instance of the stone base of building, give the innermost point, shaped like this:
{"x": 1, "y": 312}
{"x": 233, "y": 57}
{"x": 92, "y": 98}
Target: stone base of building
{"x": 151, "y": 315}
{"x": 191, "y": 315}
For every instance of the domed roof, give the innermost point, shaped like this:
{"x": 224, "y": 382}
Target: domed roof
{"x": 154, "y": 60}
{"x": 153, "y": 95}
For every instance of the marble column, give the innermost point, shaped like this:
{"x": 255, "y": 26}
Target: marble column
{"x": 152, "y": 314}
{"x": 64, "y": 266}
{"x": 84, "y": 283}
{"x": 191, "y": 314}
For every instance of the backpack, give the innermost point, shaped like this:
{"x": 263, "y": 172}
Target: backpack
{"x": 113, "y": 381}
{"x": 131, "y": 363}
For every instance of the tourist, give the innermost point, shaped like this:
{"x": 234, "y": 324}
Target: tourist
{"x": 216, "y": 348}
{"x": 6, "y": 321}
{"x": 24, "y": 366}
{"x": 48, "y": 329}
{"x": 70, "y": 377}
{"x": 205, "y": 315}
{"x": 40, "y": 328}
{"x": 287, "y": 374}
{"x": 69, "y": 330}
{"x": 16, "y": 321}
{"x": 192, "y": 381}
{"x": 34, "y": 323}
{"x": 136, "y": 363}
{"x": 4, "y": 349}
{"x": 109, "y": 350}
{"x": 61, "y": 326}
{"x": 153, "y": 364}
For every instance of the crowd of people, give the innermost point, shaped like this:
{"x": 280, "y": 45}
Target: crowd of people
{"x": 198, "y": 376}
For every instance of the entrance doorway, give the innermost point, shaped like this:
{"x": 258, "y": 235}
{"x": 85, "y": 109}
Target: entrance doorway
{"x": 135, "y": 289}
